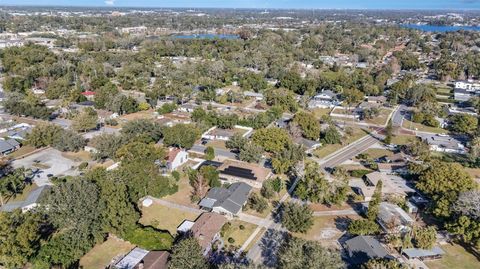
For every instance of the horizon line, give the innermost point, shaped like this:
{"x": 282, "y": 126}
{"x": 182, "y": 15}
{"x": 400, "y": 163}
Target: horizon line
{"x": 239, "y": 8}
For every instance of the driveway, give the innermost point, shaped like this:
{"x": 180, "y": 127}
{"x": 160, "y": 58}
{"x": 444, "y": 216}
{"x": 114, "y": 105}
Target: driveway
{"x": 48, "y": 161}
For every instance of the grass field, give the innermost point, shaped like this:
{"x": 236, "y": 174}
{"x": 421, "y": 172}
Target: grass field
{"x": 456, "y": 257}
{"x": 377, "y": 153}
{"x": 101, "y": 255}
{"x": 239, "y": 235}
{"x": 382, "y": 117}
{"x": 182, "y": 196}
{"x": 402, "y": 139}
{"x": 327, "y": 228}
{"x": 319, "y": 112}
{"x": 165, "y": 218}
{"x": 22, "y": 151}
{"x": 329, "y": 149}
{"x": 218, "y": 144}
{"x": 81, "y": 156}
{"x": 423, "y": 128}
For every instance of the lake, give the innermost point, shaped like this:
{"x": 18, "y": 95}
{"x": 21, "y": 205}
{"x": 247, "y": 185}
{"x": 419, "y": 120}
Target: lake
{"x": 440, "y": 28}
{"x": 207, "y": 36}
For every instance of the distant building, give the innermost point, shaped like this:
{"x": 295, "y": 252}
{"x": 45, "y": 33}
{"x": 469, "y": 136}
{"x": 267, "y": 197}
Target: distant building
{"x": 444, "y": 143}
{"x": 325, "y": 99}
{"x": 423, "y": 254}
{"x": 393, "y": 219}
{"x": 361, "y": 249}
{"x": 467, "y": 85}
{"x": 257, "y": 96}
{"x": 227, "y": 201}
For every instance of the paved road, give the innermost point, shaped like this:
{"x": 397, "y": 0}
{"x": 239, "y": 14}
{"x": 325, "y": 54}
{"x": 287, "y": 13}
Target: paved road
{"x": 399, "y": 115}
{"x": 218, "y": 152}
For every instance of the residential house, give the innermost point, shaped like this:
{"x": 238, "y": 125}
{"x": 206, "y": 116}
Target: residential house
{"x": 392, "y": 185}
{"x": 207, "y": 229}
{"x": 467, "y": 85}
{"x": 377, "y": 99}
{"x": 462, "y": 95}
{"x": 443, "y": 143}
{"x": 249, "y": 173}
{"x": 154, "y": 260}
{"x": 32, "y": 201}
{"x": 393, "y": 219}
{"x": 423, "y": 254}
{"x": 361, "y": 249}
{"x": 8, "y": 146}
{"x": 215, "y": 133}
{"x": 176, "y": 157}
{"x": 228, "y": 201}
{"x": 393, "y": 164}
{"x": 309, "y": 145}
{"x": 256, "y": 95}
{"x": 188, "y": 108}
{"x": 325, "y": 99}
{"x": 90, "y": 95}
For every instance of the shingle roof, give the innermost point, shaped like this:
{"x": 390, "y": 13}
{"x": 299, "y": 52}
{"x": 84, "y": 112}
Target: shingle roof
{"x": 132, "y": 259}
{"x": 231, "y": 199}
{"x": 362, "y": 248}
{"x": 421, "y": 253}
{"x": 206, "y": 227}
{"x": 8, "y": 145}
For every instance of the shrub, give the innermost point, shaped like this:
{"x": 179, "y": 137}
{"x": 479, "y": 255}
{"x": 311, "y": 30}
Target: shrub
{"x": 176, "y": 175}
{"x": 149, "y": 238}
{"x": 231, "y": 240}
{"x": 241, "y": 227}
{"x": 359, "y": 173}
{"x": 83, "y": 165}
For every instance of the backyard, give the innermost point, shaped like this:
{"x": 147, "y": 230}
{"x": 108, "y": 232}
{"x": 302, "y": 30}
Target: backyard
{"x": 239, "y": 231}
{"x": 455, "y": 257}
{"x": 382, "y": 117}
{"x": 102, "y": 254}
{"x": 165, "y": 218}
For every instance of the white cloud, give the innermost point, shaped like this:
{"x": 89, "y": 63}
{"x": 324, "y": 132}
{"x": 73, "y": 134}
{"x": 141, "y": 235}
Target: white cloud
{"x": 109, "y": 2}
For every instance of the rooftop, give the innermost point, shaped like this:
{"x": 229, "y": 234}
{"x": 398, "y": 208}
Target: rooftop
{"x": 231, "y": 199}
{"x": 364, "y": 248}
{"x": 206, "y": 227}
{"x": 244, "y": 170}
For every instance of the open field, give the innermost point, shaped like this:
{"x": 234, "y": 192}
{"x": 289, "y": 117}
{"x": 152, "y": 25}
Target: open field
{"x": 165, "y": 218}
{"x": 327, "y": 228}
{"x": 319, "y": 112}
{"x": 218, "y": 144}
{"x": 402, "y": 139}
{"x": 456, "y": 257}
{"x": 239, "y": 235}
{"x": 81, "y": 156}
{"x": 22, "y": 151}
{"x": 382, "y": 117}
{"x": 329, "y": 149}
{"x": 377, "y": 153}
{"x": 420, "y": 127}
{"x": 101, "y": 255}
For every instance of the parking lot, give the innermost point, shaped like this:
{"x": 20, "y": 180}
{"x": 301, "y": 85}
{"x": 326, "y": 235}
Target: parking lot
{"x": 49, "y": 162}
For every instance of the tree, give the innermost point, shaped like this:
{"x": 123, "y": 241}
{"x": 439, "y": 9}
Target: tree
{"x": 296, "y": 253}
{"x": 144, "y": 130}
{"x": 43, "y": 135}
{"x": 187, "y": 254}
{"x": 352, "y": 96}
{"x": 199, "y": 185}
{"x": 444, "y": 182}
{"x": 271, "y": 139}
{"x": 468, "y": 204}
{"x": 135, "y": 152}
{"x": 424, "y": 238}
{"x": 463, "y": 123}
{"x": 331, "y": 135}
{"x": 104, "y": 94}
{"x": 209, "y": 153}
{"x": 296, "y": 218}
{"x": 119, "y": 214}
{"x": 69, "y": 141}
{"x": 389, "y": 132}
{"x": 211, "y": 175}
{"x": 383, "y": 264}
{"x": 236, "y": 142}
{"x": 20, "y": 237}
{"x": 106, "y": 145}
{"x": 250, "y": 153}
{"x": 122, "y": 104}
{"x": 181, "y": 135}
{"x": 362, "y": 227}
{"x": 374, "y": 204}
{"x": 85, "y": 120}
{"x": 268, "y": 190}
{"x": 309, "y": 125}
{"x": 12, "y": 183}
{"x": 167, "y": 108}
{"x": 257, "y": 203}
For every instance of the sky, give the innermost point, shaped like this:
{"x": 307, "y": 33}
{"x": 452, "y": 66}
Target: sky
{"x": 263, "y": 4}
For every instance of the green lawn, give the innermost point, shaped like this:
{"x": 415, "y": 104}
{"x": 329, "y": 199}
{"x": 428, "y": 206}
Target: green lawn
{"x": 326, "y": 150}
{"x": 22, "y": 151}
{"x": 165, "y": 218}
{"x": 319, "y": 112}
{"x": 326, "y": 227}
{"x": 456, "y": 257}
{"x": 377, "y": 153}
{"x": 102, "y": 254}
{"x": 239, "y": 235}
{"x": 423, "y": 128}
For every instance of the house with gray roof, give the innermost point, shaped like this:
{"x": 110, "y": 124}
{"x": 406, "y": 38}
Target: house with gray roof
{"x": 360, "y": 249}
{"x": 444, "y": 143}
{"x": 8, "y": 146}
{"x": 227, "y": 201}
{"x": 423, "y": 254}
{"x": 32, "y": 201}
